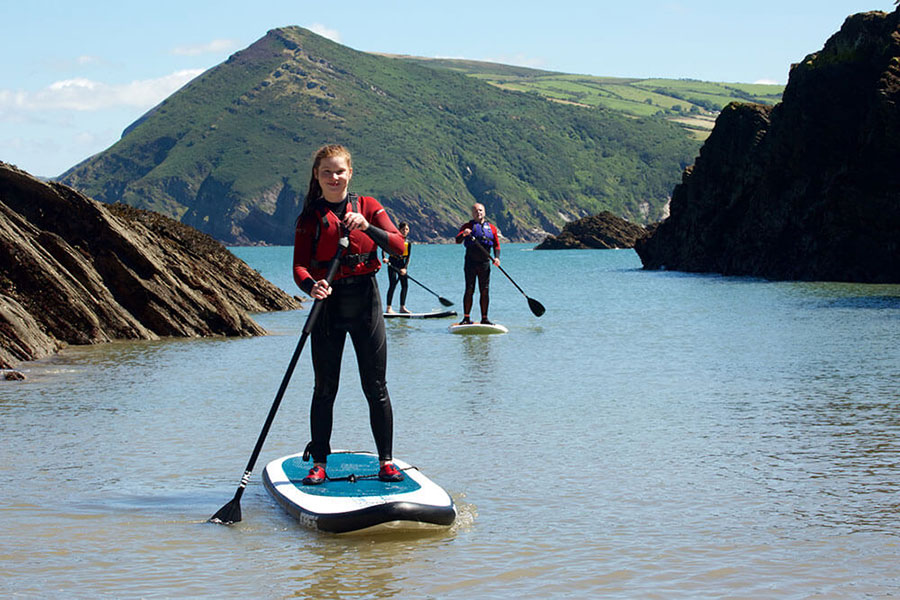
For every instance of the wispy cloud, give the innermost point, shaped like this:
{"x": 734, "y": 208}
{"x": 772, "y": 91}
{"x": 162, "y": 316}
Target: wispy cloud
{"x": 520, "y": 60}
{"x": 212, "y": 47}
{"x": 767, "y": 81}
{"x": 332, "y": 34}
{"x": 82, "y": 94}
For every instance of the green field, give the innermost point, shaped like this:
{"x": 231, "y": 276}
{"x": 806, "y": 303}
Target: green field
{"x": 673, "y": 99}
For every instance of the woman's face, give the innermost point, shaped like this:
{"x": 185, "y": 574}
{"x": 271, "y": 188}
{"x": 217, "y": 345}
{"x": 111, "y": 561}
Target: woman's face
{"x": 404, "y": 230}
{"x": 334, "y": 175}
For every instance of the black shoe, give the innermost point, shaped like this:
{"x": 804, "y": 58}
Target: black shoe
{"x": 486, "y": 321}
{"x": 466, "y": 321}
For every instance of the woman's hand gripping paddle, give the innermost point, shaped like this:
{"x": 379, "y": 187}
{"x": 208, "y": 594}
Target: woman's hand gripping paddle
{"x": 231, "y": 512}
{"x": 536, "y": 307}
{"x": 443, "y": 300}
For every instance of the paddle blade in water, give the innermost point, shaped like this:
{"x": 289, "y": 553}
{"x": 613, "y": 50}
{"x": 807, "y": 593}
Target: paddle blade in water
{"x": 445, "y": 302}
{"x": 536, "y": 307}
{"x": 228, "y": 514}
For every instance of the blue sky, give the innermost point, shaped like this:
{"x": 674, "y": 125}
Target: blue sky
{"x": 75, "y": 74}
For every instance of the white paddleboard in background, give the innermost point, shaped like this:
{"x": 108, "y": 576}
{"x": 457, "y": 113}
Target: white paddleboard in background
{"x": 435, "y": 314}
{"x": 477, "y": 329}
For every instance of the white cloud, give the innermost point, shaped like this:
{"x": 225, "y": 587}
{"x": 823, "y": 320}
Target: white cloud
{"x": 768, "y": 82}
{"x": 520, "y": 60}
{"x": 82, "y": 94}
{"x": 332, "y": 34}
{"x": 210, "y": 48}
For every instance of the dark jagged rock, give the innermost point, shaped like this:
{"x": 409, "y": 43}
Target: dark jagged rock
{"x": 809, "y": 189}
{"x": 602, "y": 231}
{"x": 75, "y": 271}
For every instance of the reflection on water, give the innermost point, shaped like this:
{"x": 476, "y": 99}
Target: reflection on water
{"x": 652, "y": 435}
{"x": 479, "y": 363}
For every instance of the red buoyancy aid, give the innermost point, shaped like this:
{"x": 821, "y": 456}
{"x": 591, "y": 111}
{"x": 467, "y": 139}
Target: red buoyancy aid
{"x": 322, "y": 230}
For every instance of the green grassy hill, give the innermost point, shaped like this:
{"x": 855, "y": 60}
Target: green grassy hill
{"x": 229, "y": 153}
{"x": 690, "y": 103}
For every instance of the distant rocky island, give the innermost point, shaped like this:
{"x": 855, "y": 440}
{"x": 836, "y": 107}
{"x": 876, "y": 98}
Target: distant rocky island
{"x": 603, "y": 231}
{"x": 76, "y": 271}
{"x": 808, "y": 189}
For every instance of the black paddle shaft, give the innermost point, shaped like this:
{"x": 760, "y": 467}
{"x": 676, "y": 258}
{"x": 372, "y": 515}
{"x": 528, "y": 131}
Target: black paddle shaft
{"x": 536, "y": 307}
{"x": 443, "y": 300}
{"x": 231, "y": 512}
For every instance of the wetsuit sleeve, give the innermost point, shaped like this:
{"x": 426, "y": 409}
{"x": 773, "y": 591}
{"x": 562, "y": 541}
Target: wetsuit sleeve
{"x": 460, "y": 237}
{"x": 383, "y": 232}
{"x": 408, "y": 252}
{"x": 303, "y": 242}
{"x": 496, "y": 241}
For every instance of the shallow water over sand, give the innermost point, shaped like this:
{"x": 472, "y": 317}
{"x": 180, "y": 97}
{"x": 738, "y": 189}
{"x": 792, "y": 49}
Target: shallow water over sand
{"x": 653, "y": 435}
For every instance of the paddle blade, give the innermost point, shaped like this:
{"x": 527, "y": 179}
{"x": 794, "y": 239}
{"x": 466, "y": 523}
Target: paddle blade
{"x": 444, "y": 301}
{"x": 228, "y": 514}
{"x": 536, "y": 307}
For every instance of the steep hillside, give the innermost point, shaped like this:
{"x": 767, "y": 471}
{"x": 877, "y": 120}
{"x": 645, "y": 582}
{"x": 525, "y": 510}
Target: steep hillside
{"x": 229, "y": 153}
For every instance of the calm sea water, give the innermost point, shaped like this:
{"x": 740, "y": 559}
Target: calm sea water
{"x": 653, "y": 435}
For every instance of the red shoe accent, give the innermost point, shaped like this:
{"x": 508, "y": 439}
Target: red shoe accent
{"x": 390, "y": 473}
{"x": 316, "y": 476}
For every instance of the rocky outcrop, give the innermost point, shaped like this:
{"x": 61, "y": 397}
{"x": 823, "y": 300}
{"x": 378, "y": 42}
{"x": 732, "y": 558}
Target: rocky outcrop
{"x": 602, "y": 231}
{"x": 809, "y": 189}
{"x": 75, "y": 271}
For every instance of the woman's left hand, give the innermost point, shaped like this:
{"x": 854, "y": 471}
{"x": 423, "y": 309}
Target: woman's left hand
{"x": 354, "y": 221}
{"x": 320, "y": 290}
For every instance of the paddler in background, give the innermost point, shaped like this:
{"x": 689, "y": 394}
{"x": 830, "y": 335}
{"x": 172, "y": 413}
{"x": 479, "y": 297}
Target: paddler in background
{"x": 479, "y": 238}
{"x": 352, "y": 302}
{"x": 397, "y": 265}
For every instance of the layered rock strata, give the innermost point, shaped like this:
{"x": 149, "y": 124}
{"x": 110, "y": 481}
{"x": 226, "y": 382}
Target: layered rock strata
{"x": 76, "y": 271}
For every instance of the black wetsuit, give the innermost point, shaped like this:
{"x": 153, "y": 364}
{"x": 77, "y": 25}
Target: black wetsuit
{"x": 353, "y": 307}
{"x": 477, "y": 264}
{"x": 396, "y": 263}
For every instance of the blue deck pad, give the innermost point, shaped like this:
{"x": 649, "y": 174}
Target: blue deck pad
{"x": 344, "y": 464}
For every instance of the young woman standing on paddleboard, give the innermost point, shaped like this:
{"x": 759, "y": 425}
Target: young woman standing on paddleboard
{"x": 352, "y": 303}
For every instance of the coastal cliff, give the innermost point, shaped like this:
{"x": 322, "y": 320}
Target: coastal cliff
{"x": 76, "y": 271}
{"x": 808, "y": 189}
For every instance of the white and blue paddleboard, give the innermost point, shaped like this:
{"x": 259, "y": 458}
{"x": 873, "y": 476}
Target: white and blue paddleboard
{"x": 435, "y": 314}
{"x": 477, "y": 329}
{"x": 353, "y": 499}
